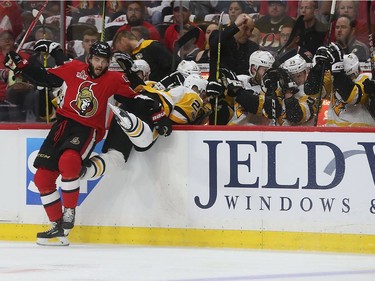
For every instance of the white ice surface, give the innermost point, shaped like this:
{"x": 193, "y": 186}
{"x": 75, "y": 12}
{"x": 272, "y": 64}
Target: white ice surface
{"x": 83, "y": 262}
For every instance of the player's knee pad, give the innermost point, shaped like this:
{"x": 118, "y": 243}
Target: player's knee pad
{"x": 45, "y": 180}
{"x": 70, "y": 164}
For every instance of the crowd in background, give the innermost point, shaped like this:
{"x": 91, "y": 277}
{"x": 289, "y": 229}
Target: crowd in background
{"x": 271, "y": 26}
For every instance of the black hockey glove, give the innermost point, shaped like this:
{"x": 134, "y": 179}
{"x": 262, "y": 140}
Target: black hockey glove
{"x": 46, "y": 46}
{"x": 336, "y": 56}
{"x": 369, "y": 86}
{"x": 15, "y": 62}
{"x": 322, "y": 57}
{"x": 126, "y": 62}
{"x": 270, "y": 80}
{"x": 230, "y": 81}
{"x": 162, "y": 123}
{"x": 215, "y": 89}
{"x": 169, "y": 81}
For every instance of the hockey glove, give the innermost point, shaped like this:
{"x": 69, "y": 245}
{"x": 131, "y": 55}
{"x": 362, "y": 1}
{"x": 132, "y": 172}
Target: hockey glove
{"x": 15, "y": 62}
{"x": 215, "y": 89}
{"x": 322, "y": 57}
{"x": 230, "y": 81}
{"x": 270, "y": 80}
{"x": 162, "y": 123}
{"x": 336, "y": 55}
{"x": 169, "y": 81}
{"x": 369, "y": 86}
{"x": 46, "y": 46}
{"x": 126, "y": 62}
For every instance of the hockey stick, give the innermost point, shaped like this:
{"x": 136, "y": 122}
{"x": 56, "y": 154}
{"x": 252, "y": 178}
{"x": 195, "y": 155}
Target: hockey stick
{"x": 370, "y": 39}
{"x": 218, "y": 63}
{"x": 102, "y": 36}
{"x": 192, "y": 33}
{"x": 319, "y": 102}
{"x": 32, "y": 25}
{"x": 299, "y": 25}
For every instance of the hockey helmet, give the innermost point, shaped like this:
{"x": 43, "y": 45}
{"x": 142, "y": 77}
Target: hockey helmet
{"x": 196, "y": 80}
{"x": 100, "y": 49}
{"x": 351, "y": 64}
{"x": 295, "y": 64}
{"x": 143, "y": 66}
{"x": 188, "y": 67}
{"x": 260, "y": 58}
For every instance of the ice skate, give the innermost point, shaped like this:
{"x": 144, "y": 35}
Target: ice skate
{"x": 68, "y": 220}
{"x": 122, "y": 118}
{"x": 54, "y": 236}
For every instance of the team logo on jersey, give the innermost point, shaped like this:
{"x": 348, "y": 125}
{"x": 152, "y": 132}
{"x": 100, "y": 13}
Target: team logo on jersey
{"x": 85, "y": 103}
{"x": 82, "y": 75}
{"x": 75, "y": 140}
{"x": 32, "y": 193}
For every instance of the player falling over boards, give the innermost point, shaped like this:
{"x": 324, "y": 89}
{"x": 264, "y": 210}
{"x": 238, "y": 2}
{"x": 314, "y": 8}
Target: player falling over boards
{"x": 80, "y": 125}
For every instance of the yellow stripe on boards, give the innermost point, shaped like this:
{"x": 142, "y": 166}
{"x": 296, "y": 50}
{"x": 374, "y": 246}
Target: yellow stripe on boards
{"x": 270, "y": 240}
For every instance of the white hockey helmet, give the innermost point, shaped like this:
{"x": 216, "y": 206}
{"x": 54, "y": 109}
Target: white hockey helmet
{"x": 295, "y": 64}
{"x": 351, "y": 64}
{"x": 260, "y": 58}
{"x": 143, "y": 66}
{"x": 186, "y": 68}
{"x": 196, "y": 80}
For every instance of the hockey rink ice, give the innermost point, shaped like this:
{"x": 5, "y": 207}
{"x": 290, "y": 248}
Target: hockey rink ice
{"x": 24, "y": 261}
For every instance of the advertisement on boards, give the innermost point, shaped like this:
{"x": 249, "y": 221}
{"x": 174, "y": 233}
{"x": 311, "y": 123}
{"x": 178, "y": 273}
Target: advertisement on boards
{"x": 290, "y": 181}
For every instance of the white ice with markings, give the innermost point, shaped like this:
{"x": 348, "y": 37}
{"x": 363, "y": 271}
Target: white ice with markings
{"x": 23, "y": 261}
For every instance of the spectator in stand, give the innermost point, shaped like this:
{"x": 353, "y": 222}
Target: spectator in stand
{"x": 89, "y": 37}
{"x": 157, "y": 12}
{"x": 135, "y": 13}
{"x": 291, "y": 8}
{"x": 344, "y": 33}
{"x": 269, "y": 25}
{"x": 236, "y": 46}
{"x": 352, "y": 10}
{"x": 114, "y": 9}
{"x": 10, "y": 17}
{"x": 315, "y": 31}
{"x": 181, "y": 14}
{"x": 204, "y": 55}
{"x": 152, "y": 51}
{"x": 81, "y": 8}
{"x": 235, "y": 9}
{"x": 13, "y": 91}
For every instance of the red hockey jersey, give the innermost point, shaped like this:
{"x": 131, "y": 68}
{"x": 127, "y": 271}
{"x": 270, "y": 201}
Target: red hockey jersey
{"x": 85, "y": 99}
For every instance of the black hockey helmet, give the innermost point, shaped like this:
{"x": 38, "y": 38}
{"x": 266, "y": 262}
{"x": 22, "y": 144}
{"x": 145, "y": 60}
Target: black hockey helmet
{"x": 100, "y": 49}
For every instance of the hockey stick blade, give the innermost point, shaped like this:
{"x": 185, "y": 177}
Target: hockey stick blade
{"x": 298, "y": 26}
{"x": 192, "y": 33}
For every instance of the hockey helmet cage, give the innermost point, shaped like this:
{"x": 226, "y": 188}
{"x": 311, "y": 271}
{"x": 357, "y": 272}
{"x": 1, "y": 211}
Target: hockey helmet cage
{"x": 196, "y": 80}
{"x": 143, "y": 66}
{"x": 295, "y": 64}
{"x": 351, "y": 64}
{"x": 188, "y": 67}
{"x": 260, "y": 58}
{"x": 100, "y": 49}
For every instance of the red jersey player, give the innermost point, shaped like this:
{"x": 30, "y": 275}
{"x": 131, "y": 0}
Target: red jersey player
{"x": 85, "y": 90}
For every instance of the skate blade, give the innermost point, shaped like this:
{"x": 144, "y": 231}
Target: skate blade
{"x": 58, "y": 241}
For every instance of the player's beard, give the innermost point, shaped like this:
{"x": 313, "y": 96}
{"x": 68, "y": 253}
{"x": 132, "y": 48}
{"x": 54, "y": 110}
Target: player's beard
{"x": 93, "y": 72}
